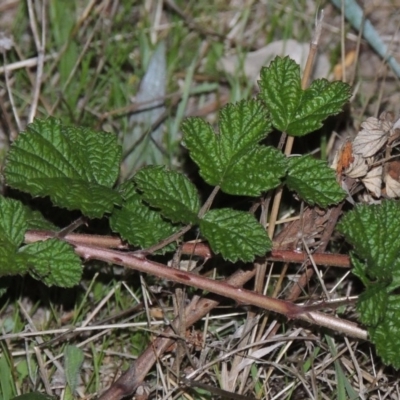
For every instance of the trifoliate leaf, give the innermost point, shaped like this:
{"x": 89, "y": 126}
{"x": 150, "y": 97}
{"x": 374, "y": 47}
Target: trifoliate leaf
{"x": 139, "y": 224}
{"x": 374, "y": 231}
{"x": 386, "y": 334}
{"x": 292, "y": 109}
{"x": 169, "y": 191}
{"x": 54, "y": 262}
{"x": 76, "y": 167}
{"x": 313, "y": 181}
{"x": 229, "y": 158}
{"x": 372, "y": 305}
{"x": 236, "y": 235}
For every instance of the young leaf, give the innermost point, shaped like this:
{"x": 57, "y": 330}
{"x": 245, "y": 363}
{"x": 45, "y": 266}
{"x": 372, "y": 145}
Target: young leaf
{"x": 374, "y": 231}
{"x": 313, "y": 181}
{"x": 169, "y": 191}
{"x": 292, "y": 109}
{"x": 137, "y": 223}
{"x": 235, "y": 234}
{"x": 232, "y": 157}
{"x": 53, "y": 261}
{"x": 75, "y": 166}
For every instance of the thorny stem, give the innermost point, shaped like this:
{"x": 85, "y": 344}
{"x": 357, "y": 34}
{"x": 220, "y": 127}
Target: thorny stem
{"x": 198, "y": 249}
{"x": 242, "y": 296}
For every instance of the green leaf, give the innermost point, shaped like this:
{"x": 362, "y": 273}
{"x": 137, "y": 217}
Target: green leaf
{"x": 13, "y": 225}
{"x": 374, "y": 231}
{"x": 13, "y": 221}
{"x": 314, "y": 181}
{"x": 75, "y": 166}
{"x": 359, "y": 269}
{"x": 372, "y": 305}
{"x": 36, "y": 221}
{"x": 260, "y": 169}
{"x": 230, "y": 157}
{"x": 53, "y": 261}
{"x": 10, "y": 262}
{"x": 73, "y": 357}
{"x": 137, "y": 223}
{"x": 386, "y": 334}
{"x": 236, "y": 235}
{"x": 292, "y": 109}
{"x": 169, "y": 191}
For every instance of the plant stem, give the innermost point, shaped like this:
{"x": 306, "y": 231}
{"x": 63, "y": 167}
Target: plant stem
{"x": 242, "y": 296}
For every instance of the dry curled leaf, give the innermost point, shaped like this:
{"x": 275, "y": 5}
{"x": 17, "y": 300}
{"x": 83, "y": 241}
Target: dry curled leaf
{"x": 392, "y": 179}
{"x": 343, "y": 158}
{"x": 367, "y": 198}
{"x": 392, "y": 187}
{"x": 358, "y": 168}
{"x": 374, "y": 134}
{"x": 373, "y": 181}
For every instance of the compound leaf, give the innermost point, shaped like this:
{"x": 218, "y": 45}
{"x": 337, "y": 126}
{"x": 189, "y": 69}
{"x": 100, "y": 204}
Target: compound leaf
{"x": 53, "y": 261}
{"x": 374, "y": 231}
{"x": 236, "y": 235}
{"x": 139, "y": 224}
{"x": 169, "y": 191}
{"x": 292, "y": 109}
{"x": 75, "y": 166}
{"x": 314, "y": 181}
{"x": 242, "y": 126}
